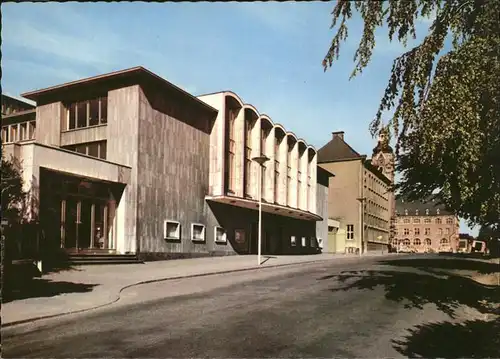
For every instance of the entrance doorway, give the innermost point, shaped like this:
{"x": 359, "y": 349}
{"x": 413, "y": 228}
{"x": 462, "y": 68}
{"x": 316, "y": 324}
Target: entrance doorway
{"x": 86, "y": 210}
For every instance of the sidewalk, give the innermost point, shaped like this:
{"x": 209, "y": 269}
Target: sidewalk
{"x": 90, "y": 287}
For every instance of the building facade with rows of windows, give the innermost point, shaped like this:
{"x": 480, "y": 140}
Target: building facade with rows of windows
{"x": 425, "y": 226}
{"x": 127, "y": 162}
{"x": 361, "y": 199}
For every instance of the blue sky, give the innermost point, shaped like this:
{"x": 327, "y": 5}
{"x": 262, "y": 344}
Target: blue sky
{"x": 268, "y": 53}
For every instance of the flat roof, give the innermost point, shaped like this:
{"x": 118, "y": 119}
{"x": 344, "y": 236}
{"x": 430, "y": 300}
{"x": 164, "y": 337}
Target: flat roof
{"x": 137, "y": 73}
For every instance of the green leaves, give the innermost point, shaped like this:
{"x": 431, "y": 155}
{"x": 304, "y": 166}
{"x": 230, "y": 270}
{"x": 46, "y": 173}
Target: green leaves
{"x": 446, "y": 118}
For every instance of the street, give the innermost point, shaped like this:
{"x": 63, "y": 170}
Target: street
{"x": 358, "y": 308}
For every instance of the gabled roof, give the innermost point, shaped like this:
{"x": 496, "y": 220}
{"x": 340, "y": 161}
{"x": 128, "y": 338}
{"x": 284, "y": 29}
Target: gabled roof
{"x": 337, "y": 150}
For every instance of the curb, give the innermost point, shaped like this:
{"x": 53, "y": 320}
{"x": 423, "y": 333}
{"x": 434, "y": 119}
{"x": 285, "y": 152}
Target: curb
{"x": 24, "y": 321}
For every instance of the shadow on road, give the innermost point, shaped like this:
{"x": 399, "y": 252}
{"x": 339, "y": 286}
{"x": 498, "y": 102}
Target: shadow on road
{"x": 37, "y": 288}
{"x": 415, "y": 288}
{"x": 479, "y": 266}
{"x": 471, "y": 339}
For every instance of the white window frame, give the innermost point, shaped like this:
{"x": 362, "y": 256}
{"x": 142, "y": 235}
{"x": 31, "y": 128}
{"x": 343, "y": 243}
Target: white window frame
{"x": 303, "y": 242}
{"x": 165, "y": 226}
{"x": 293, "y": 241}
{"x": 203, "y": 232}
{"x": 320, "y": 242}
{"x": 350, "y": 232}
{"x": 224, "y": 240}
{"x": 313, "y": 242}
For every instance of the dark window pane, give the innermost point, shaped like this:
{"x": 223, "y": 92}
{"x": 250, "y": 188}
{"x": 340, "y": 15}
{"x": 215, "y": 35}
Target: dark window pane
{"x": 72, "y": 116}
{"x": 93, "y": 149}
{"x": 82, "y": 114}
{"x": 102, "y": 153}
{"x": 94, "y": 112}
{"x": 81, "y": 149}
{"x": 104, "y": 110}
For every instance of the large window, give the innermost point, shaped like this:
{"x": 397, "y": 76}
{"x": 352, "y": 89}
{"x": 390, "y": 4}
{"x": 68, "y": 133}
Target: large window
{"x": 231, "y": 148}
{"x": 87, "y": 113}
{"x": 94, "y": 149}
{"x": 276, "y": 169}
{"x": 289, "y": 175}
{"x": 248, "y": 157}
{"x": 350, "y": 231}
{"x": 23, "y": 131}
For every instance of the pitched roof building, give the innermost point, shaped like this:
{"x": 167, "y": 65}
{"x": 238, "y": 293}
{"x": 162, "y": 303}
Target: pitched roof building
{"x": 360, "y": 197}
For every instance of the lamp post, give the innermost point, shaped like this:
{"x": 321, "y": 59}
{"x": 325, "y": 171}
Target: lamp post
{"x": 362, "y": 201}
{"x": 260, "y": 160}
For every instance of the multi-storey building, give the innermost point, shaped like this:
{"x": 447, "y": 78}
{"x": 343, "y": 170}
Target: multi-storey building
{"x": 359, "y": 199}
{"x": 425, "y": 226}
{"x": 128, "y": 162}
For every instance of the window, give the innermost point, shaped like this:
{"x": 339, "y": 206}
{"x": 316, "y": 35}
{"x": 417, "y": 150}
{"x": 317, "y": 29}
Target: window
{"x": 320, "y": 242}
{"x": 289, "y": 175}
{"x": 5, "y": 134}
{"x": 87, "y": 113}
{"x": 449, "y": 220}
{"x": 350, "y": 231}
{"x": 427, "y": 231}
{"x": 406, "y": 231}
{"x": 417, "y": 242}
{"x": 95, "y": 149}
{"x": 293, "y": 241}
{"x": 24, "y": 132}
{"x": 94, "y": 112}
{"x": 416, "y": 212}
{"x": 428, "y": 242}
{"x": 438, "y": 221}
{"x": 437, "y": 211}
{"x": 81, "y": 114}
{"x": 231, "y": 148}
{"x": 220, "y": 235}
{"x": 304, "y": 243}
{"x": 417, "y": 231}
{"x": 440, "y": 231}
{"x": 427, "y": 220}
{"x": 31, "y": 130}
{"x": 416, "y": 220}
{"x": 443, "y": 241}
{"x": 248, "y": 156}
{"x": 299, "y": 188}
{"x": 171, "y": 230}
{"x": 406, "y": 242}
{"x": 276, "y": 169}
{"x": 13, "y": 133}
{"x": 447, "y": 231}
{"x": 313, "y": 242}
{"x": 406, "y": 220}
{"x": 197, "y": 232}
{"x": 406, "y": 212}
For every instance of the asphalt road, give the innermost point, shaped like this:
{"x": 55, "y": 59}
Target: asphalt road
{"x": 299, "y": 311}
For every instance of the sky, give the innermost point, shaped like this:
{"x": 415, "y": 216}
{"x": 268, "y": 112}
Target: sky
{"x": 270, "y": 54}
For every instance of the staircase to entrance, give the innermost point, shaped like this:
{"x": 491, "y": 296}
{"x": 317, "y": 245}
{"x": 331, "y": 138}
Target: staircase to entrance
{"x": 100, "y": 256}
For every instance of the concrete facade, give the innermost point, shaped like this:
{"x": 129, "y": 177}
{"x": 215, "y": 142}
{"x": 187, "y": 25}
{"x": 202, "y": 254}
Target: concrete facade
{"x": 163, "y": 156}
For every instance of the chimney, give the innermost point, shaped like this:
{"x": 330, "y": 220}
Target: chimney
{"x": 338, "y": 134}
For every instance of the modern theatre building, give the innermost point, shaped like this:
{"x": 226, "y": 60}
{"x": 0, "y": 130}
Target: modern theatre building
{"x": 127, "y": 162}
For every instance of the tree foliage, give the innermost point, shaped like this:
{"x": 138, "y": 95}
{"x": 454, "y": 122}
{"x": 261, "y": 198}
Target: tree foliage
{"x": 13, "y": 196}
{"x": 446, "y": 100}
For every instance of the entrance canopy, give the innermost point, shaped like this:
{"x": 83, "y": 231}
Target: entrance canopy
{"x": 266, "y": 207}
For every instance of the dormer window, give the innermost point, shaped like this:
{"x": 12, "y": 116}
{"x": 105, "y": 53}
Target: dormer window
{"x": 416, "y": 212}
{"x": 427, "y": 211}
{"x": 437, "y": 211}
{"x": 406, "y": 212}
